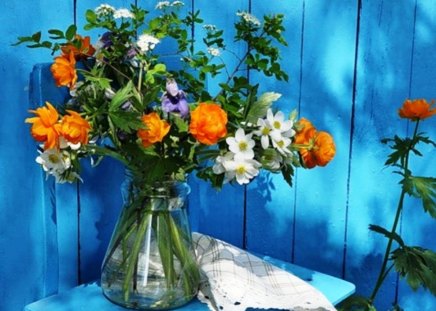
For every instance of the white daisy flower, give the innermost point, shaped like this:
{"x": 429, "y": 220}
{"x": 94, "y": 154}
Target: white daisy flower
{"x": 54, "y": 162}
{"x": 264, "y": 132}
{"x": 214, "y": 51}
{"x": 123, "y": 13}
{"x": 162, "y": 5}
{"x": 242, "y": 169}
{"x": 249, "y": 18}
{"x": 104, "y": 9}
{"x": 272, "y": 161}
{"x": 147, "y": 42}
{"x": 241, "y": 145}
{"x": 279, "y": 126}
{"x": 220, "y": 161}
{"x": 281, "y": 145}
{"x": 177, "y": 3}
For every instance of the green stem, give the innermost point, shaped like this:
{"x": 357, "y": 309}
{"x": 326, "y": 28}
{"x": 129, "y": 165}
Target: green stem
{"x": 384, "y": 271}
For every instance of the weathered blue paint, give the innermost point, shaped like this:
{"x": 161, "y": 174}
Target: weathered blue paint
{"x": 351, "y": 64}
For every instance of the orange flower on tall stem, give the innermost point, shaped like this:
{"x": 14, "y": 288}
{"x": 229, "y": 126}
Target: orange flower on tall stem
{"x": 81, "y": 47}
{"x": 208, "y": 123}
{"x": 416, "y": 109}
{"x": 74, "y": 128}
{"x": 156, "y": 129}
{"x": 64, "y": 70}
{"x": 45, "y": 126}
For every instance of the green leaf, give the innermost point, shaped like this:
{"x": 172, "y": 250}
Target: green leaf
{"x": 395, "y": 236}
{"x": 91, "y": 17}
{"x": 71, "y": 32}
{"x": 121, "y": 96}
{"x": 417, "y": 265}
{"x": 424, "y": 188}
{"x": 259, "y": 108}
{"x": 288, "y": 172}
{"x": 127, "y": 121}
{"x": 356, "y": 303}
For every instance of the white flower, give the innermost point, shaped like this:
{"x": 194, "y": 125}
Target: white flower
{"x": 214, "y": 51}
{"x": 263, "y": 132}
{"x": 220, "y": 161}
{"x": 123, "y": 13}
{"x": 64, "y": 144}
{"x": 272, "y": 161}
{"x": 177, "y": 3}
{"x": 209, "y": 27}
{"x": 279, "y": 126}
{"x": 104, "y": 9}
{"x": 147, "y": 42}
{"x": 241, "y": 145}
{"x": 242, "y": 169}
{"x": 54, "y": 162}
{"x": 162, "y": 5}
{"x": 249, "y": 18}
{"x": 281, "y": 145}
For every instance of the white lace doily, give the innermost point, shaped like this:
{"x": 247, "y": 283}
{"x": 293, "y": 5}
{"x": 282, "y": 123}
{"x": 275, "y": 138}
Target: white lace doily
{"x": 233, "y": 279}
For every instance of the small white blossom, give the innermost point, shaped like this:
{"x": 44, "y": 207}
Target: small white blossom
{"x": 147, "y": 42}
{"x": 241, "y": 145}
{"x": 263, "y": 132}
{"x": 272, "y": 162}
{"x": 209, "y": 27}
{"x": 177, "y": 3}
{"x": 279, "y": 126}
{"x": 220, "y": 162}
{"x": 249, "y": 18}
{"x": 64, "y": 144}
{"x": 123, "y": 13}
{"x": 242, "y": 169}
{"x": 104, "y": 9}
{"x": 54, "y": 162}
{"x": 162, "y": 5}
{"x": 281, "y": 145}
{"x": 214, "y": 51}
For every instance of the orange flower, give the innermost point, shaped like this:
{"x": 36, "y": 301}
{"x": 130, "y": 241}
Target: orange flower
{"x": 74, "y": 128}
{"x": 156, "y": 129}
{"x": 416, "y": 109}
{"x": 320, "y": 151}
{"x": 45, "y": 126}
{"x": 81, "y": 47}
{"x": 305, "y": 131}
{"x": 64, "y": 71}
{"x": 208, "y": 123}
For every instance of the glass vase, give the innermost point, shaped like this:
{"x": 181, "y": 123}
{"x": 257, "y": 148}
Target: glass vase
{"x": 150, "y": 262}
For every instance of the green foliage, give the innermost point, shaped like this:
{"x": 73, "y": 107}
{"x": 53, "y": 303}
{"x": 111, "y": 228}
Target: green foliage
{"x": 356, "y": 303}
{"x": 417, "y": 265}
{"x": 423, "y": 188}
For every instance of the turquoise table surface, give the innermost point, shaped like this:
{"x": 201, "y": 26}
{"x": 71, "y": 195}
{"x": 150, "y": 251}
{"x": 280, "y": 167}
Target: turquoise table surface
{"x": 89, "y": 296}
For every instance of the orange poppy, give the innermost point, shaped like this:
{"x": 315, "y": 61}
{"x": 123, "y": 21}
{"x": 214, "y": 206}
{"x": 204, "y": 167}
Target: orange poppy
{"x": 81, "y": 47}
{"x": 304, "y": 131}
{"x": 416, "y": 109}
{"x": 208, "y": 123}
{"x": 74, "y": 128}
{"x": 45, "y": 126}
{"x": 64, "y": 70}
{"x": 156, "y": 129}
{"x": 320, "y": 151}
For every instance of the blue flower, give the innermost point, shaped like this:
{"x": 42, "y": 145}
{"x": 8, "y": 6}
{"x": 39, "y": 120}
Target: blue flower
{"x": 174, "y": 100}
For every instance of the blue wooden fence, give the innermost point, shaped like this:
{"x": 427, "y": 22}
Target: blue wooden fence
{"x": 351, "y": 63}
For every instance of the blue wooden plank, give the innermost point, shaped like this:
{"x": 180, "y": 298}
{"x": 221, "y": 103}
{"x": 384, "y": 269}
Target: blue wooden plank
{"x": 90, "y": 297}
{"x": 417, "y": 226}
{"x": 219, "y": 214}
{"x": 270, "y": 200}
{"x": 326, "y": 99}
{"x": 383, "y": 73}
{"x": 27, "y": 272}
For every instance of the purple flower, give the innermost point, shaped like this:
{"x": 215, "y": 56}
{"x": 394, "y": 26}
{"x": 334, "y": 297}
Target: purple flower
{"x": 174, "y": 100}
{"x": 106, "y": 40}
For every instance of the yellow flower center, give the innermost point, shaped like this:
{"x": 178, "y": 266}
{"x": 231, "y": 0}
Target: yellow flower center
{"x": 277, "y": 124}
{"x": 265, "y": 131}
{"x": 281, "y": 144}
{"x": 53, "y": 158}
{"x": 240, "y": 170}
{"x": 243, "y": 146}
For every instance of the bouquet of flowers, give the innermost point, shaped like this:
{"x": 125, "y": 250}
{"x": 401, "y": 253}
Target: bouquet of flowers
{"x": 161, "y": 122}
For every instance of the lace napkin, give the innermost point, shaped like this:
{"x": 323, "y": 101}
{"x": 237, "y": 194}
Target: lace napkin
{"x": 233, "y": 279}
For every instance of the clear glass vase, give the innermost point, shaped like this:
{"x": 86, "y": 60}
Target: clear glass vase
{"x": 150, "y": 262}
